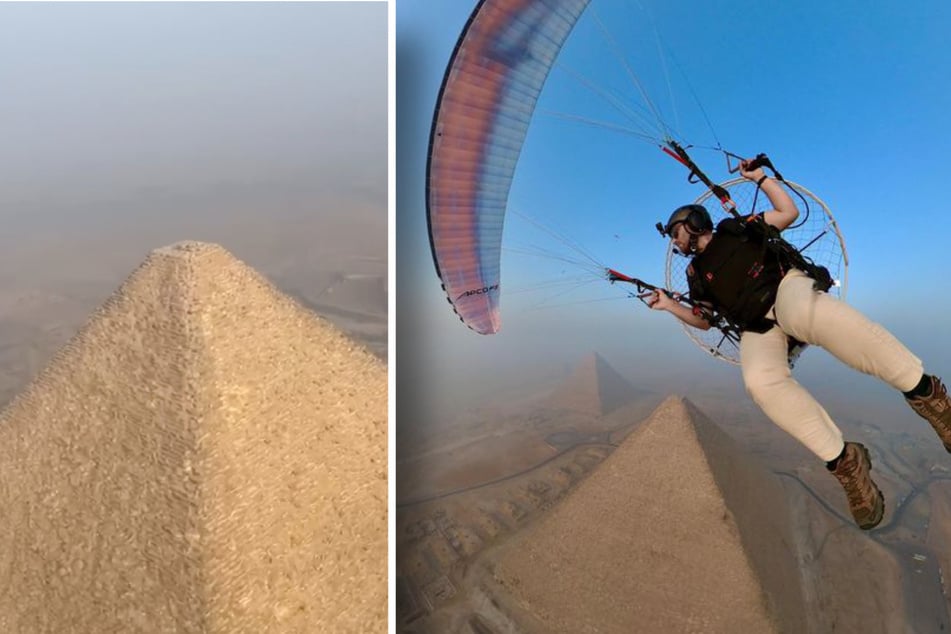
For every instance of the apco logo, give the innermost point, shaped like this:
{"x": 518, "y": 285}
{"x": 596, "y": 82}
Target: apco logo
{"x": 479, "y": 291}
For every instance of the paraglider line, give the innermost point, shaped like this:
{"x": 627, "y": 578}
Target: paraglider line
{"x": 630, "y": 72}
{"x": 636, "y": 113}
{"x": 561, "y": 238}
{"x": 602, "y": 124}
{"x": 537, "y": 251}
{"x": 541, "y": 304}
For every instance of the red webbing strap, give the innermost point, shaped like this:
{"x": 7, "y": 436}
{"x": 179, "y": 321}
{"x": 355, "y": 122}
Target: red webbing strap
{"x": 675, "y": 150}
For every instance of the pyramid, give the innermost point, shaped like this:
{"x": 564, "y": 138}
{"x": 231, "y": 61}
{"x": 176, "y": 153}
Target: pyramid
{"x": 204, "y": 456}
{"x": 677, "y": 531}
{"x": 594, "y": 388}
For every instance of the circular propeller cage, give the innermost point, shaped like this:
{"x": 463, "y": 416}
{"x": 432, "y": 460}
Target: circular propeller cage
{"x": 816, "y": 235}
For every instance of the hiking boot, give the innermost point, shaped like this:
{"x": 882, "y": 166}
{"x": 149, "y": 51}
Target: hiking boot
{"x": 865, "y": 499}
{"x": 936, "y": 409}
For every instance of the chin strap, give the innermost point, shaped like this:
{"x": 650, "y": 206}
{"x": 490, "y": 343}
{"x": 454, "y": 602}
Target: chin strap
{"x": 692, "y": 244}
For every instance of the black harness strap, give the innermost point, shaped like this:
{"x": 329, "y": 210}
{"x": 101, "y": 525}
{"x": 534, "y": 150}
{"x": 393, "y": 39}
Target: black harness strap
{"x": 762, "y": 324}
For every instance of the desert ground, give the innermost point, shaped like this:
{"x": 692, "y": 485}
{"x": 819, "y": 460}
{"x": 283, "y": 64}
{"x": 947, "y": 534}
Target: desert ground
{"x": 505, "y": 494}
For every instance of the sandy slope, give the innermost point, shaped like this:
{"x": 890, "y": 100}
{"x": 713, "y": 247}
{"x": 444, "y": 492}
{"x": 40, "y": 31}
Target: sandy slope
{"x": 645, "y": 544}
{"x": 204, "y": 456}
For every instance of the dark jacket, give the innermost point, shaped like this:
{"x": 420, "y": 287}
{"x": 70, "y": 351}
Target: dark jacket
{"x": 737, "y": 274}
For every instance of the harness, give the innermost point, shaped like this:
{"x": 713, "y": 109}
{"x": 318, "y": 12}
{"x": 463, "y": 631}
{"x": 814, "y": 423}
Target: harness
{"x": 737, "y": 272}
{"x": 755, "y": 226}
{"x": 776, "y": 257}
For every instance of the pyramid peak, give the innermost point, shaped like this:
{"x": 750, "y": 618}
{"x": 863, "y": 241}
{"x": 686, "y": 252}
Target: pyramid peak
{"x": 593, "y": 387}
{"x": 659, "y": 533}
{"x": 194, "y": 423}
{"x": 592, "y": 358}
{"x": 184, "y": 248}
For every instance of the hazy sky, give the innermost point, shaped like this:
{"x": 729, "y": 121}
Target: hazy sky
{"x": 190, "y": 101}
{"x": 849, "y": 100}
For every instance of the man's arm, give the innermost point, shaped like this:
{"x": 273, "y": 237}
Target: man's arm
{"x": 660, "y": 300}
{"x": 784, "y": 211}
{"x": 687, "y": 315}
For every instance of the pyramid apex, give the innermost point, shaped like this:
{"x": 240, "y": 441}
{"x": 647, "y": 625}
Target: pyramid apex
{"x": 594, "y": 387}
{"x": 199, "y": 407}
{"x": 659, "y": 533}
{"x": 189, "y": 247}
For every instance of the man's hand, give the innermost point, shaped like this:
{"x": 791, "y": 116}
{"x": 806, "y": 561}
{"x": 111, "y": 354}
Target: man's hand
{"x": 753, "y": 175}
{"x": 784, "y": 211}
{"x": 665, "y": 300}
{"x": 661, "y": 299}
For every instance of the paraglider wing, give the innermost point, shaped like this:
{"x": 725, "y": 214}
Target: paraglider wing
{"x": 495, "y": 75}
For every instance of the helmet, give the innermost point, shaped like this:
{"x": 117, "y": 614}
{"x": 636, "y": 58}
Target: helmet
{"x": 695, "y": 217}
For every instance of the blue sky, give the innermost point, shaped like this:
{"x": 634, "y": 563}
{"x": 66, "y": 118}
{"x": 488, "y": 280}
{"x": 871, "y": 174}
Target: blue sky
{"x": 850, "y": 101}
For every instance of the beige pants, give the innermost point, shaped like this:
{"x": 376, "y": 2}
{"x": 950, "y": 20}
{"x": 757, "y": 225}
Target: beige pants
{"x": 822, "y": 320}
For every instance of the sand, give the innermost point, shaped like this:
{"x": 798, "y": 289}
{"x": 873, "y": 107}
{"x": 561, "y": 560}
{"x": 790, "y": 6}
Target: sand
{"x": 205, "y": 455}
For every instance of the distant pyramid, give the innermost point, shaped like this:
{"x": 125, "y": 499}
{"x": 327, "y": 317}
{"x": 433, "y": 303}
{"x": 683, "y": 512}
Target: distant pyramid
{"x": 677, "y": 531}
{"x": 594, "y": 387}
{"x": 204, "y": 456}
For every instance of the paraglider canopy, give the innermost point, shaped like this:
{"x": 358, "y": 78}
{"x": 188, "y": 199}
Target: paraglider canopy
{"x": 486, "y": 101}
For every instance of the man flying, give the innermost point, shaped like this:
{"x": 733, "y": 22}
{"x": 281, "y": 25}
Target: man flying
{"x": 734, "y": 272}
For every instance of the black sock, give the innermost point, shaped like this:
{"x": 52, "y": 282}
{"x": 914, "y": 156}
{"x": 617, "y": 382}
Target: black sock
{"x": 832, "y": 464}
{"x": 922, "y": 389}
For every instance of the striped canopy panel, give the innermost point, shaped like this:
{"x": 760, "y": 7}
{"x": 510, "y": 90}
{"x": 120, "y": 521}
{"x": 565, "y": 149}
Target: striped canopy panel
{"x": 485, "y": 104}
